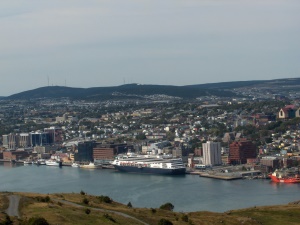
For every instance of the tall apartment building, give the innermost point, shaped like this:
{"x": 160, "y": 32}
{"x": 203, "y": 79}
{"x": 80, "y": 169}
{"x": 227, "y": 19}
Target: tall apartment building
{"x": 55, "y": 134}
{"x": 240, "y": 151}
{"x": 212, "y": 153}
{"x": 11, "y": 141}
{"x": 24, "y": 140}
{"x": 39, "y": 138}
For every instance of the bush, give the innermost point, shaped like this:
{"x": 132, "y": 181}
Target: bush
{"x": 43, "y": 199}
{"x": 185, "y": 218}
{"x": 87, "y": 211}
{"x": 37, "y": 221}
{"x": 106, "y": 216}
{"x": 164, "y": 222}
{"x": 167, "y": 206}
{"x": 7, "y": 220}
{"x": 105, "y": 199}
{"x": 85, "y": 201}
{"x": 153, "y": 210}
{"x": 82, "y": 192}
{"x": 129, "y": 205}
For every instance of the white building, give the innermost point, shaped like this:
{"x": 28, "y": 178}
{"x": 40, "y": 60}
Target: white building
{"x": 212, "y": 153}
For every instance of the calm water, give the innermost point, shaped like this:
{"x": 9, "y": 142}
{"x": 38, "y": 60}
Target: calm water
{"x": 186, "y": 193}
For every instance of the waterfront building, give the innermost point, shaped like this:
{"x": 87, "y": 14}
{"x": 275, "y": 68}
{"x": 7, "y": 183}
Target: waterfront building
{"x": 24, "y": 140}
{"x": 212, "y": 153}
{"x": 55, "y": 134}
{"x": 85, "y": 151}
{"x": 103, "y": 154}
{"x": 15, "y": 155}
{"x": 240, "y": 151}
{"x": 10, "y": 141}
{"x": 39, "y": 138}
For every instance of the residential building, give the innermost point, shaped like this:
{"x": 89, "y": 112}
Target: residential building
{"x": 212, "y": 153}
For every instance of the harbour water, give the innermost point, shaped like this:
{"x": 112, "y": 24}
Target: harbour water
{"x": 187, "y": 193}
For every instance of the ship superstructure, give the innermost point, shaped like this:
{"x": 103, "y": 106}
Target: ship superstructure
{"x": 149, "y": 164}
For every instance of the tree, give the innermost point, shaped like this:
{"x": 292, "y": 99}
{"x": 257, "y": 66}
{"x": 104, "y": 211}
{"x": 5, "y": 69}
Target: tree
{"x": 167, "y": 206}
{"x": 129, "y": 205}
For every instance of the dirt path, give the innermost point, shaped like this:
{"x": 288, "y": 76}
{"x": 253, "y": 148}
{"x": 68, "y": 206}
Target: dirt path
{"x": 100, "y": 210}
{"x": 13, "y": 208}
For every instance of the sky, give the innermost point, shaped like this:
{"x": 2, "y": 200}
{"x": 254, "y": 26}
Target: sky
{"x": 98, "y": 43}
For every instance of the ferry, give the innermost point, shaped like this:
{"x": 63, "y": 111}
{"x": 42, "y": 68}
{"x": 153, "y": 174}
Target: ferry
{"x": 149, "y": 164}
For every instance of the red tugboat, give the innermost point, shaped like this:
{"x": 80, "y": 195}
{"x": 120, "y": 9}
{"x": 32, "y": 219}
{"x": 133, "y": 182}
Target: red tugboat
{"x": 280, "y": 178}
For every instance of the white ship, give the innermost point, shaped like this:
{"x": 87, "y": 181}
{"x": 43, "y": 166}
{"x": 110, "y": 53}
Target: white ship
{"x": 150, "y": 164}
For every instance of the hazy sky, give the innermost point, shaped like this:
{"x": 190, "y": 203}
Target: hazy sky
{"x": 94, "y": 43}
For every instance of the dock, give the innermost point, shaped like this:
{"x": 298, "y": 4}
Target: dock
{"x": 222, "y": 176}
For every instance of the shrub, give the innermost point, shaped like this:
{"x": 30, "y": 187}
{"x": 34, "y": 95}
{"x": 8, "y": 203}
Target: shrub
{"x": 167, "y": 206}
{"x": 85, "y": 201}
{"x": 106, "y": 216}
{"x": 87, "y": 211}
{"x": 153, "y": 210}
{"x": 7, "y": 220}
{"x": 105, "y": 199}
{"x": 43, "y": 199}
{"x": 185, "y": 218}
{"x": 82, "y": 192}
{"x": 164, "y": 222}
{"x": 59, "y": 203}
{"x": 129, "y": 205}
{"x": 37, "y": 221}
{"x": 47, "y": 199}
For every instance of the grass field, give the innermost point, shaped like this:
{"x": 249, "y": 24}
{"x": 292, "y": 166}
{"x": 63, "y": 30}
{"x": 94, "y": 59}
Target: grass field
{"x": 55, "y": 211}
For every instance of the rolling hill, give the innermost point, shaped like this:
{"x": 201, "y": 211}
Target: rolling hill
{"x": 137, "y": 91}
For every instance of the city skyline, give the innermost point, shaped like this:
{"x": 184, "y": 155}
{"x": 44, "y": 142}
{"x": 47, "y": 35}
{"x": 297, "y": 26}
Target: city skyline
{"x": 99, "y": 44}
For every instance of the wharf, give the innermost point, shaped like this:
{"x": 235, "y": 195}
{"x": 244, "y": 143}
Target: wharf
{"x": 222, "y": 176}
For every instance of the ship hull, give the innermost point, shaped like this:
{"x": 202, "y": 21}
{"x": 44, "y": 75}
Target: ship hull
{"x": 130, "y": 169}
{"x": 285, "y": 180}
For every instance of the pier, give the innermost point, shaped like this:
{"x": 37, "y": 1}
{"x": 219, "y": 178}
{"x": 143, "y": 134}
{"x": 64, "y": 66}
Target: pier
{"x": 222, "y": 176}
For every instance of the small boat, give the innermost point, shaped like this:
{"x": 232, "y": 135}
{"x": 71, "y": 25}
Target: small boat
{"x": 51, "y": 162}
{"x": 75, "y": 164}
{"x": 41, "y": 162}
{"x": 279, "y": 177}
{"x": 91, "y": 165}
{"x": 27, "y": 162}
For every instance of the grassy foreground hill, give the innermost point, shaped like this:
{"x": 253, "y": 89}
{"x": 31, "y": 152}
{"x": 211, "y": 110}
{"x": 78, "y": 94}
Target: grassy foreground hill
{"x": 72, "y": 209}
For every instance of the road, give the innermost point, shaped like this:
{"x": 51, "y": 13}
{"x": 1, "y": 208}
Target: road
{"x": 100, "y": 210}
{"x": 13, "y": 208}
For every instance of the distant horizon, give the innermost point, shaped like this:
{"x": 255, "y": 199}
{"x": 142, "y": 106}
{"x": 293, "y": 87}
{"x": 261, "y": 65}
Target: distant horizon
{"x": 290, "y": 78}
{"x": 107, "y": 43}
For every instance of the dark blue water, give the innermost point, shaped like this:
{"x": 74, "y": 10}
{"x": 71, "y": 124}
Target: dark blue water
{"x": 187, "y": 193}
